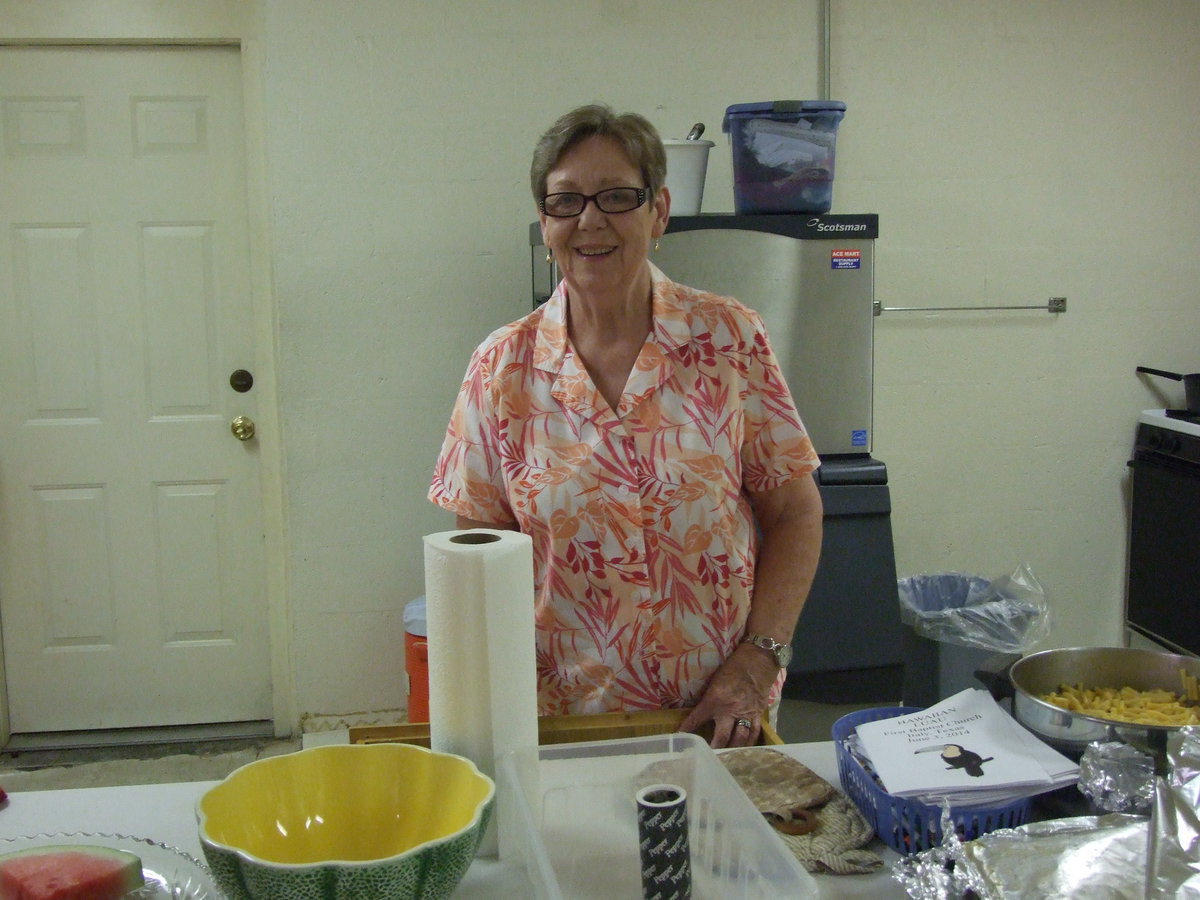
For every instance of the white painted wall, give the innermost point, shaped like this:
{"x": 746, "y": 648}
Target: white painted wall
{"x": 1014, "y": 151}
{"x": 1018, "y": 151}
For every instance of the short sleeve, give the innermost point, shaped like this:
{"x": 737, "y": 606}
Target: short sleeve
{"x": 777, "y": 448}
{"x": 468, "y": 477}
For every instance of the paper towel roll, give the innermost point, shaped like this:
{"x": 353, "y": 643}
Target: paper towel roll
{"x": 482, "y": 671}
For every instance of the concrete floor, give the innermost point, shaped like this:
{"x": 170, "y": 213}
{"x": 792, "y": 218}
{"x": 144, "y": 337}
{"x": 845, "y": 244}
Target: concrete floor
{"x": 38, "y": 770}
{"x": 799, "y": 721}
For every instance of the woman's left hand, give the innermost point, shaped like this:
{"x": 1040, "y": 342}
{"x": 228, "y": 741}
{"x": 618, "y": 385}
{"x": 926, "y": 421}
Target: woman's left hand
{"x": 737, "y": 694}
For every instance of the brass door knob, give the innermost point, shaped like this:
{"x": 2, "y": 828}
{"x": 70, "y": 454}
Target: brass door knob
{"x": 242, "y": 428}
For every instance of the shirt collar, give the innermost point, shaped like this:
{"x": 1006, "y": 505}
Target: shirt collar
{"x": 670, "y": 314}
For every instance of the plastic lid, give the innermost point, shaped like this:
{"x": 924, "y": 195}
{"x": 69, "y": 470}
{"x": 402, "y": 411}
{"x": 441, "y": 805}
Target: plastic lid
{"x": 780, "y": 108}
{"x": 414, "y": 617}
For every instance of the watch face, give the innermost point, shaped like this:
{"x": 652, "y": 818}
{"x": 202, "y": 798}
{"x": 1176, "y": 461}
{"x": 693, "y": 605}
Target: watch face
{"x": 783, "y": 656}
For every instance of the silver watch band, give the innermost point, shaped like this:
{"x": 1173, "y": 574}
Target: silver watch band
{"x": 781, "y": 652}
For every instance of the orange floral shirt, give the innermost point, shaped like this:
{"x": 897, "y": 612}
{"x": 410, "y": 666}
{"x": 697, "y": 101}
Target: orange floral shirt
{"x": 644, "y": 542}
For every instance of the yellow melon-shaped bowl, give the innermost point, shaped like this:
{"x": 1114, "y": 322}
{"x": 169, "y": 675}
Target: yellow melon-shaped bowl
{"x": 351, "y": 820}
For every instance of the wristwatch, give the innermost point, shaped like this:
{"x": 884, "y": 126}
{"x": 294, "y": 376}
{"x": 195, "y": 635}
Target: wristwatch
{"x": 781, "y": 652}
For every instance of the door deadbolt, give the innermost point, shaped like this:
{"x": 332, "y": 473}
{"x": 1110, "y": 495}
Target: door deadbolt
{"x": 242, "y": 428}
{"x": 241, "y": 381}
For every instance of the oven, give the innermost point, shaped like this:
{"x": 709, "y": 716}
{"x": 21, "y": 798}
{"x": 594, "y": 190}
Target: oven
{"x": 1162, "y": 600}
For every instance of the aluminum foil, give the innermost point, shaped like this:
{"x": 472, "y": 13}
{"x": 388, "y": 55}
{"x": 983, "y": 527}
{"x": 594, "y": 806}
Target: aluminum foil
{"x": 1117, "y": 777}
{"x": 936, "y": 873}
{"x": 1098, "y": 857}
{"x": 1173, "y": 867}
{"x": 1085, "y": 856}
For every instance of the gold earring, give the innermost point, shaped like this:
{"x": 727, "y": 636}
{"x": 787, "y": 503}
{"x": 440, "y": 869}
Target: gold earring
{"x": 549, "y": 256}
{"x": 656, "y": 243}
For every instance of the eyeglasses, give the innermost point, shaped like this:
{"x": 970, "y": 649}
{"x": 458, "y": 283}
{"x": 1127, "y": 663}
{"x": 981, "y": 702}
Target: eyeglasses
{"x": 614, "y": 200}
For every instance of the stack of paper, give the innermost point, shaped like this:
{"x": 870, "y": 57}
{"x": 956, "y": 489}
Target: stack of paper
{"x": 966, "y": 750}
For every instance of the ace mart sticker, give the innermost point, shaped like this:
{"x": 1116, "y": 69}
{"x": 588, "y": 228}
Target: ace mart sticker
{"x": 845, "y": 259}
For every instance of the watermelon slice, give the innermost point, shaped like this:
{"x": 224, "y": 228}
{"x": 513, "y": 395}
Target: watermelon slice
{"x": 69, "y": 873}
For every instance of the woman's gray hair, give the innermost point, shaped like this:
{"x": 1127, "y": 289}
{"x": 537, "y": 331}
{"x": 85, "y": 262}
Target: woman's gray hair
{"x": 638, "y": 138}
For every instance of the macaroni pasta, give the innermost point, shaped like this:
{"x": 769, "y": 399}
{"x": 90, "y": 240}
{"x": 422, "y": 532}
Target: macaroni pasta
{"x": 1153, "y": 707}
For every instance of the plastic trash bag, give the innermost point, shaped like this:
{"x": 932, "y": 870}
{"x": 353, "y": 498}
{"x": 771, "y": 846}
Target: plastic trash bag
{"x": 793, "y": 146}
{"x": 1005, "y": 615}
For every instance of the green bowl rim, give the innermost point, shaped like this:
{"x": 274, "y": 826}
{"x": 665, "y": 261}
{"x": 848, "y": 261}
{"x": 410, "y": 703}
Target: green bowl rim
{"x": 480, "y": 809}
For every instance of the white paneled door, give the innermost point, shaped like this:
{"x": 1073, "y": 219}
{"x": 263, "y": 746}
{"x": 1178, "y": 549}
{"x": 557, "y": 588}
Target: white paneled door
{"x": 132, "y": 584}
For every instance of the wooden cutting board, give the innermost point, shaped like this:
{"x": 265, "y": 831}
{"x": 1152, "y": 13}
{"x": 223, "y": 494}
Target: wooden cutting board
{"x": 562, "y": 729}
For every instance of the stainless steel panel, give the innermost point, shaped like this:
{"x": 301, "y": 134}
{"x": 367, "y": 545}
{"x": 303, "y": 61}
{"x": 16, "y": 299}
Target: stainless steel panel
{"x": 818, "y": 317}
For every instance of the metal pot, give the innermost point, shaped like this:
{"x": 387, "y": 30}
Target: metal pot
{"x": 1094, "y": 667}
{"x": 1191, "y": 386}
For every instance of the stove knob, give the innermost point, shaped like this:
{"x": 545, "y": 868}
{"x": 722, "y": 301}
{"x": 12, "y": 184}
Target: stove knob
{"x": 1154, "y": 440}
{"x": 1170, "y": 443}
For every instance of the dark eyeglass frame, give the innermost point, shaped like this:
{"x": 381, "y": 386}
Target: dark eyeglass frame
{"x": 598, "y": 198}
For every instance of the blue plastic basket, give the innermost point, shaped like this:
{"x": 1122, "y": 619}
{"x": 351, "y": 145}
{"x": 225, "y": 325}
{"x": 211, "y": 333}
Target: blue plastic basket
{"x": 905, "y": 825}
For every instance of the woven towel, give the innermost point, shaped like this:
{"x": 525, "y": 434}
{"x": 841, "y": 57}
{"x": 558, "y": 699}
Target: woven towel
{"x": 777, "y": 785}
{"x": 838, "y": 843}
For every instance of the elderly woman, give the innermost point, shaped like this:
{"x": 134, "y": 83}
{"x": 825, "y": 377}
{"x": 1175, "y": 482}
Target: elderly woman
{"x": 641, "y": 433}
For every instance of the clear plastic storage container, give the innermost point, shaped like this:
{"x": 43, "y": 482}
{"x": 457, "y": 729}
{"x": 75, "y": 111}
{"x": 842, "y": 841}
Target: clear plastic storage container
{"x": 783, "y": 155}
{"x": 574, "y": 804}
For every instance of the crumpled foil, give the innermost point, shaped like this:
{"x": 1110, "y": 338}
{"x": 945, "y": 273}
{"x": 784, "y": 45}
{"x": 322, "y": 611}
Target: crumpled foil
{"x": 935, "y": 874}
{"x": 1173, "y": 865}
{"x": 1084, "y": 856}
{"x": 1117, "y": 777}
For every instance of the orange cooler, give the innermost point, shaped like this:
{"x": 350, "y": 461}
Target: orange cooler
{"x": 416, "y": 660}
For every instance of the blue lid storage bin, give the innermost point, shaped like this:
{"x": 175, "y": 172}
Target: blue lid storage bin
{"x": 783, "y": 155}
{"x": 908, "y": 826}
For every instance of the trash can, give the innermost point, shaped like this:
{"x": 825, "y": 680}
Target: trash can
{"x": 416, "y": 659}
{"x": 955, "y": 623}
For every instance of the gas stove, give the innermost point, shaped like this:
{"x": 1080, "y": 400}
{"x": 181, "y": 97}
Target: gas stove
{"x": 1168, "y": 432}
{"x": 1163, "y": 571}
{"x": 1175, "y": 419}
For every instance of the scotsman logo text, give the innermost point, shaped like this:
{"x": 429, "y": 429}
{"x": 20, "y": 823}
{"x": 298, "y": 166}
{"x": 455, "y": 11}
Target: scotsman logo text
{"x": 836, "y": 226}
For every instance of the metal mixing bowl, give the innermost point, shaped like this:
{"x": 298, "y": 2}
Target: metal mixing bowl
{"x": 1094, "y": 667}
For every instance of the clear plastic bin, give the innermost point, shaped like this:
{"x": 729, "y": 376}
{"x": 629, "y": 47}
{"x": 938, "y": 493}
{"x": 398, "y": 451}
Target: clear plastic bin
{"x": 783, "y": 155}
{"x": 574, "y": 804}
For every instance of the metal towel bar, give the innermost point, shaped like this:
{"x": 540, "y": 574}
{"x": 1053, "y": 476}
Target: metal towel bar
{"x": 1053, "y": 305}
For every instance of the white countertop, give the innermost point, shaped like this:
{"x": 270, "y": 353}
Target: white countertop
{"x": 1160, "y": 418}
{"x": 166, "y": 813}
